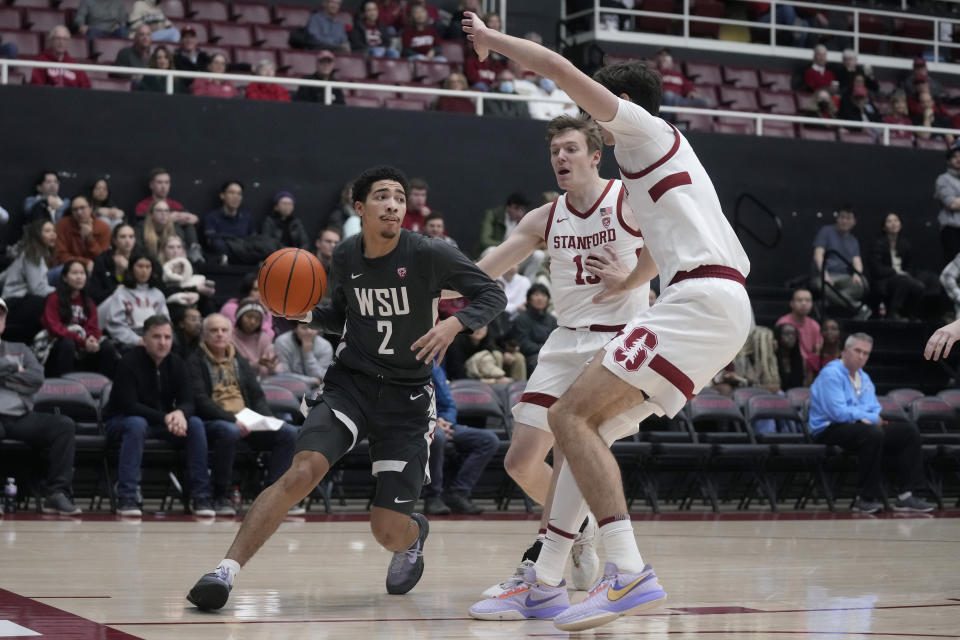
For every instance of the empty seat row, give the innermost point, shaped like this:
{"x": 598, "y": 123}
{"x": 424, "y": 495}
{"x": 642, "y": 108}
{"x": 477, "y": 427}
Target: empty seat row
{"x": 216, "y": 10}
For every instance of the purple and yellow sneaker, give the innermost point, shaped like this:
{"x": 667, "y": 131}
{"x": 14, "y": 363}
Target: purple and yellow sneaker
{"x": 527, "y": 599}
{"x": 616, "y": 594}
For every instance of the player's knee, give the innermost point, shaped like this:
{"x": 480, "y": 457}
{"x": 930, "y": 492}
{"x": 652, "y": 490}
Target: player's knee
{"x": 305, "y": 472}
{"x": 519, "y": 463}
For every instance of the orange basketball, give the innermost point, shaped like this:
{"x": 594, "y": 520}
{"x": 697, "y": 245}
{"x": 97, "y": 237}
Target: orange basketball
{"x": 291, "y": 282}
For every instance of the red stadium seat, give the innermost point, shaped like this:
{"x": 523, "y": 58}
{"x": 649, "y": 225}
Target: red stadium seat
{"x": 694, "y": 121}
{"x": 423, "y": 98}
{"x": 703, "y": 73}
{"x": 871, "y": 24}
{"x": 656, "y": 25}
{"x": 776, "y": 80}
{"x": 35, "y": 4}
{"x": 429, "y": 72}
{"x": 860, "y": 137}
{"x": 208, "y": 10}
{"x": 779, "y": 129}
{"x": 269, "y": 36}
{"x": 346, "y": 19}
{"x": 936, "y": 145}
{"x": 251, "y": 13}
{"x": 229, "y": 34}
{"x": 390, "y": 70}
{"x": 78, "y": 48}
{"x": 780, "y": 102}
{"x": 10, "y": 18}
{"x": 705, "y": 9}
{"x": 405, "y": 105}
{"x": 918, "y": 29}
{"x": 28, "y": 43}
{"x": 740, "y": 126}
{"x": 351, "y": 68}
{"x": 173, "y": 9}
{"x": 69, "y": 4}
{"x": 743, "y": 77}
{"x": 353, "y": 101}
{"x": 291, "y": 15}
{"x": 105, "y": 50}
{"x": 298, "y": 63}
{"x": 808, "y": 133}
{"x": 110, "y": 84}
{"x": 203, "y": 31}
{"x": 253, "y": 55}
{"x": 901, "y": 141}
{"x": 371, "y": 93}
{"x": 43, "y": 19}
{"x": 452, "y": 50}
{"x": 739, "y": 99}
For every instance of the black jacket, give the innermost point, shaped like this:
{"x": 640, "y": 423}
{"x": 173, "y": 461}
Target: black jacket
{"x": 250, "y": 388}
{"x": 531, "y": 330}
{"x": 141, "y": 388}
{"x": 316, "y": 94}
{"x": 288, "y": 232}
{"x": 880, "y": 265}
{"x": 103, "y": 280}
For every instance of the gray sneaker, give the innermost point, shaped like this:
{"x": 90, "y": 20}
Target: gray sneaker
{"x": 211, "y": 591}
{"x": 406, "y": 567}
{"x": 203, "y": 508}
{"x": 867, "y": 506}
{"x": 913, "y": 503}
{"x": 128, "y": 508}
{"x": 222, "y": 507}
{"x": 59, "y": 503}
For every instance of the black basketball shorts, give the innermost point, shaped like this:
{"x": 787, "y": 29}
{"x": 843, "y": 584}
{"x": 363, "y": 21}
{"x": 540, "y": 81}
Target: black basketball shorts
{"x": 397, "y": 420}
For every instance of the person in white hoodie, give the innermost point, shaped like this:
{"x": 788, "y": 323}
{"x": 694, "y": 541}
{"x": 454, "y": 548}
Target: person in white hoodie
{"x": 122, "y": 314}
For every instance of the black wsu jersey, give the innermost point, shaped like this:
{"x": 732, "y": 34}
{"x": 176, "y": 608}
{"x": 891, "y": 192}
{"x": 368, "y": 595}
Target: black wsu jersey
{"x": 383, "y": 305}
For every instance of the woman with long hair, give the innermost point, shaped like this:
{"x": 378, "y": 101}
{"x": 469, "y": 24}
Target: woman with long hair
{"x": 140, "y": 297}
{"x": 103, "y": 208}
{"x": 180, "y": 284}
{"x": 70, "y": 318}
{"x": 25, "y": 282}
{"x": 161, "y": 58}
{"x": 155, "y": 228}
{"x": 890, "y": 264}
{"x": 111, "y": 265}
{"x": 830, "y": 348}
{"x": 790, "y": 365}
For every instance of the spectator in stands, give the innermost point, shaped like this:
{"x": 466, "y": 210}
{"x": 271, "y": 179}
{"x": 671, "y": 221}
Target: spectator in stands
{"x": 455, "y": 29}
{"x": 831, "y": 345}
{"x": 899, "y": 115}
{"x": 325, "y": 31}
{"x": 282, "y": 225}
{"x": 786, "y": 14}
{"x": 123, "y": 314}
{"x": 932, "y": 114}
{"x": 433, "y": 14}
{"x": 844, "y": 412}
{"x": 188, "y": 56}
{"x": 825, "y": 106}
{"x": 153, "y": 397}
{"x": 808, "y": 329}
{"x": 80, "y": 236}
{"x": 790, "y": 364}
{"x": 25, "y": 285}
{"x": 180, "y": 284}
{"x": 8, "y": 49}
{"x": 340, "y": 217}
{"x": 152, "y": 232}
{"x": 249, "y": 288}
{"x": 369, "y": 35}
{"x": 455, "y": 82}
{"x": 947, "y": 193}
{"x": 950, "y": 279}
{"x": 214, "y": 87}
{"x": 515, "y": 286}
{"x": 146, "y": 12}
{"x": 161, "y": 59}
{"x": 475, "y": 448}
{"x": 506, "y": 84}
{"x": 755, "y": 365}
{"x": 433, "y": 227}
{"x": 325, "y": 71}
{"x": 111, "y": 266}
{"x": 74, "y": 336}
{"x": 498, "y": 222}
{"x": 266, "y": 90}
{"x": 56, "y": 51}
{"x": 848, "y": 69}
{"x": 848, "y": 287}
{"x": 225, "y": 384}
{"x": 911, "y": 84}
{"x": 304, "y": 354}
{"x": 858, "y": 106}
{"x": 482, "y": 75}
{"x": 476, "y": 355}
{"x": 533, "y": 325}
{"x": 138, "y": 53}
{"x": 46, "y": 202}
{"x": 890, "y": 262}
{"x": 229, "y": 221}
{"x": 678, "y": 91}
{"x": 417, "y": 208}
{"x": 391, "y": 13}
{"x": 420, "y": 38}
{"x": 817, "y": 76}
{"x": 103, "y": 207}
{"x": 250, "y": 340}
{"x": 187, "y": 328}
{"x": 327, "y": 240}
{"x": 21, "y": 377}
{"x": 159, "y": 184}
{"x": 101, "y": 18}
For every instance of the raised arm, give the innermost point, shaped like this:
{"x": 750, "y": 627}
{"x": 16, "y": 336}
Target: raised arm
{"x": 589, "y": 95}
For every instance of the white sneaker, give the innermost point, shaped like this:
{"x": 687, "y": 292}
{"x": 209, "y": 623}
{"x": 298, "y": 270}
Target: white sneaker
{"x": 584, "y": 561}
{"x": 509, "y": 583}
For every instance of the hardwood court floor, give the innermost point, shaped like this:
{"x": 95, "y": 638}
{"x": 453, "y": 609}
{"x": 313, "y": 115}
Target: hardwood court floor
{"x": 733, "y": 577}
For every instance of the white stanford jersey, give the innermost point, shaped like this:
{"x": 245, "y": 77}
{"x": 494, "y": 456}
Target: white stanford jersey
{"x": 671, "y": 196}
{"x": 571, "y": 236}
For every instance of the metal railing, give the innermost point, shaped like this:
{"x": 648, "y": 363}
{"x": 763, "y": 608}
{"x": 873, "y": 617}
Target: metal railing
{"x": 935, "y": 44}
{"x": 759, "y": 119}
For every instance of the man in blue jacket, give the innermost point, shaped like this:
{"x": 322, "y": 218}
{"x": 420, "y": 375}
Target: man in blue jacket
{"x": 475, "y": 447}
{"x": 844, "y": 411}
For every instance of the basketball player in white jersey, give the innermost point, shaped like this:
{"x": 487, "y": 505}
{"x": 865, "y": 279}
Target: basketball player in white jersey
{"x": 668, "y": 352}
{"x": 590, "y": 218}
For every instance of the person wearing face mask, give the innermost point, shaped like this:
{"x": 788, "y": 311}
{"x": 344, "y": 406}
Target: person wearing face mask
{"x": 506, "y": 84}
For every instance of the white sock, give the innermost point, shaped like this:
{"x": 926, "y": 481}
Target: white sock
{"x": 228, "y": 570}
{"x": 621, "y": 545}
{"x": 566, "y": 513}
{"x": 905, "y": 495}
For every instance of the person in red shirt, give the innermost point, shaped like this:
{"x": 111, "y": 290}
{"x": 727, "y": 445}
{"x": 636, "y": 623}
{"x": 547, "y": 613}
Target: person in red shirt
{"x": 267, "y": 90}
{"x": 211, "y": 87}
{"x": 185, "y": 220}
{"x": 678, "y": 91}
{"x": 455, "y": 82}
{"x": 409, "y": 5}
{"x": 420, "y": 39}
{"x": 56, "y": 51}
{"x": 417, "y": 209}
{"x": 899, "y": 115}
{"x": 392, "y": 13}
{"x": 808, "y": 329}
{"x": 817, "y": 76}
{"x": 482, "y": 75}
{"x": 81, "y": 236}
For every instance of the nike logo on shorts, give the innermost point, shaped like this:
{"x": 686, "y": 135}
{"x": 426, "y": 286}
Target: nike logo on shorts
{"x": 354, "y": 276}
{"x": 416, "y": 396}
{"x": 399, "y": 501}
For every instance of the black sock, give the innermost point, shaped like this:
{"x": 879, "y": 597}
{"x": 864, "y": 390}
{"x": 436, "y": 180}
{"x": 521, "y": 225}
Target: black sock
{"x": 533, "y": 553}
{"x": 586, "y": 521}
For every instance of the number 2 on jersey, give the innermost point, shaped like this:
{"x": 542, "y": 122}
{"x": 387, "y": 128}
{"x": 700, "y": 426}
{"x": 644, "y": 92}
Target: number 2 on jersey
{"x": 385, "y": 327}
{"x": 591, "y": 279}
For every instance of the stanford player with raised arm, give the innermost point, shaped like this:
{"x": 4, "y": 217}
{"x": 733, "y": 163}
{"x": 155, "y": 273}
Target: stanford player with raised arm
{"x": 667, "y": 353}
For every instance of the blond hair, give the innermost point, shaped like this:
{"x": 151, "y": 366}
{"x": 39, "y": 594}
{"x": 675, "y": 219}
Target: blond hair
{"x": 586, "y": 126}
{"x": 154, "y": 239}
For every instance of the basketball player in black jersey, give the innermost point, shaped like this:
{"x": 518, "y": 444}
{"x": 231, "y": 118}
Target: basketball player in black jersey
{"x": 385, "y": 285}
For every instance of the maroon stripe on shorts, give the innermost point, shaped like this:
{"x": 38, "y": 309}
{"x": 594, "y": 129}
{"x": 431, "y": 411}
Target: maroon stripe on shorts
{"x": 673, "y": 375}
{"x": 539, "y": 399}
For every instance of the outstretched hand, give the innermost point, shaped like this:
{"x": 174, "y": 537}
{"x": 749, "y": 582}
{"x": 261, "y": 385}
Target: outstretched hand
{"x": 942, "y": 341}
{"x": 477, "y": 33}
{"x": 610, "y": 270}
{"x": 433, "y": 344}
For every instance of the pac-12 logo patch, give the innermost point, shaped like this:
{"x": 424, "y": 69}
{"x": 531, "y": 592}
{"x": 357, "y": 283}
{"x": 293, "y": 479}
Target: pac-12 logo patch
{"x": 402, "y": 272}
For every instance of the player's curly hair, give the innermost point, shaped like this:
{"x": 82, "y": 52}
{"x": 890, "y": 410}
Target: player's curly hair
{"x": 363, "y": 183}
{"x": 643, "y": 84}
